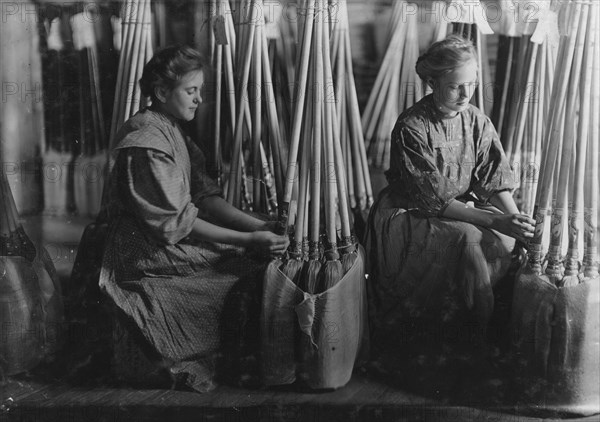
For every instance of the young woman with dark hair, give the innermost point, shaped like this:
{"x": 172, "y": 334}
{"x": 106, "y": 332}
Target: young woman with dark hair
{"x": 175, "y": 253}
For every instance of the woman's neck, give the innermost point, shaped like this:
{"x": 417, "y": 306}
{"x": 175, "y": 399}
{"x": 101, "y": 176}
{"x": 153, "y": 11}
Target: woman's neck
{"x": 443, "y": 112}
{"x": 158, "y": 107}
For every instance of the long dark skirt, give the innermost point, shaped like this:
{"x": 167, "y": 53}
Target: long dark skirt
{"x": 195, "y": 303}
{"x": 430, "y": 269}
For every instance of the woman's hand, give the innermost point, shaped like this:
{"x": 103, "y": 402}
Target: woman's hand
{"x": 518, "y": 226}
{"x": 271, "y": 226}
{"x": 268, "y": 243}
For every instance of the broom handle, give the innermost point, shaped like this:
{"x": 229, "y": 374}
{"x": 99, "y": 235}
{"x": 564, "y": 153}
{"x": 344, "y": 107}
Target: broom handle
{"x": 123, "y": 58}
{"x": 297, "y": 117}
{"x": 217, "y": 115}
{"x": 304, "y": 182}
{"x": 7, "y": 226}
{"x": 141, "y": 59}
{"x": 273, "y": 120}
{"x": 540, "y": 126}
{"x": 330, "y": 121}
{"x": 530, "y": 66}
{"x": 505, "y": 85}
{"x": 315, "y": 197}
{"x": 590, "y": 256}
{"x": 302, "y": 210}
{"x": 479, "y": 45}
{"x": 229, "y": 27}
{"x": 529, "y": 180}
{"x": 516, "y": 96}
{"x": 355, "y": 122}
{"x": 257, "y": 115}
{"x": 340, "y": 171}
{"x": 575, "y": 219}
{"x": 230, "y": 80}
{"x": 390, "y": 61}
{"x": 133, "y": 71}
{"x": 242, "y": 88}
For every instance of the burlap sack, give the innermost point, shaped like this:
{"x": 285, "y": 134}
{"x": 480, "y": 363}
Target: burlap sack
{"x": 556, "y": 343}
{"x": 316, "y": 337}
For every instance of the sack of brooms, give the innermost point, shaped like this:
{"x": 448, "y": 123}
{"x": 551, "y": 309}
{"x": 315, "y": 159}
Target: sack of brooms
{"x": 313, "y": 319}
{"x": 556, "y": 305}
{"x": 31, "y": 307}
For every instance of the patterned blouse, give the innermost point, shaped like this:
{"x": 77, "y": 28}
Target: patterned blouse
{"x": 434, "y": 159}
{"x": 159, "y": 176}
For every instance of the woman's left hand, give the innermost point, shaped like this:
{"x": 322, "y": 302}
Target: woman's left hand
{"x": 518, "y": 226}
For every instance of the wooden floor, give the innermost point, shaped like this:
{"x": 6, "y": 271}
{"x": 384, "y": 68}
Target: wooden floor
{"x": 35, "y": 398}
{"x": 363, "y": 399}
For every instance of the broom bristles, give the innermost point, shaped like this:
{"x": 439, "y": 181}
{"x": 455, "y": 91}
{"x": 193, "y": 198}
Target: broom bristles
{"x": 332, "y": 271}
{"x": 349, "y": 254}
{"x": 292, "y": 267}
{"x": 348, "y": 260}
{"x": 569, "y": 281}
{"x": 310, "y": 275}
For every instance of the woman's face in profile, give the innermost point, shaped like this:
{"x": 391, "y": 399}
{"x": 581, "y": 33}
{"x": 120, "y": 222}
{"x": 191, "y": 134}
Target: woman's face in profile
{"x": 182, "y": 101}
{"x": 453, "y": 91}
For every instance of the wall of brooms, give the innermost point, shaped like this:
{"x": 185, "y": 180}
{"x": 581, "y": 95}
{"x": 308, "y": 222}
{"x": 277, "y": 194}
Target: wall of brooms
{"x": 300, "y": 101}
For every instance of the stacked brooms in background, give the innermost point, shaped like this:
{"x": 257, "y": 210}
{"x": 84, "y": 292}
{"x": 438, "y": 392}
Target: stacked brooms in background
{"x": 527, "y": 56}
{"x": 556, "y": 308}
{"x": 136, "y": 50}
{"x": 397, "y": 85}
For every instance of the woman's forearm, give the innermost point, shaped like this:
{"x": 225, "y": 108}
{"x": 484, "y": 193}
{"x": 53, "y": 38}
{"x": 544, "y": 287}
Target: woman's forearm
{"x": 220, "y": 212}
{"x": 458, "y": 210}
{"x": 206, "y": 231}
{"x": 504, "y": 202}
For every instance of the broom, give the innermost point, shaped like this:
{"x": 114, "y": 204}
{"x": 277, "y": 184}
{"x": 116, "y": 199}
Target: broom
{"x": 293, "y": 266}
{"x": 331, "y": 270}
{"x": 301, "y": 250}
{"x": 554, "y": 268}
{"x": 338, "y": 178}
{"x": 583, "y": 131}
{"x": 592, "y": 187}
{"x": 218, "y": 64}
{"x": 552, "y": 139}
{"x": 256, "y": 107}
{"x": 313, "y": 266}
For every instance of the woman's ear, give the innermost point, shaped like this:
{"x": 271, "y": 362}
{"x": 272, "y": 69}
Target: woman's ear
{"x": 160, "y": 92}
{"x": 431, "y": 83}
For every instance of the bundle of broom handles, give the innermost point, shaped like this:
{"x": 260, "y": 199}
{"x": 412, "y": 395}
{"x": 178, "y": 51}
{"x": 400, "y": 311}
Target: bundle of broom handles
{"x": 253, "y": 66}
{"x": 313, "y": 264}
{"x": 136, "y": 50}
{"x": 576, "y": 166}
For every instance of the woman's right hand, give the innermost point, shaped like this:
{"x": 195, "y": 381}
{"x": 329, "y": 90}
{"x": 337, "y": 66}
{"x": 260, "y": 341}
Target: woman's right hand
{"x": 518, "y": 226}
{"x": 268, "y": 242}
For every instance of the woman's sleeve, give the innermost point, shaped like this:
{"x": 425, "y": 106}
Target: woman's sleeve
{"x": 202, "y": 185}
{"x": 493, "y": 172}
{"x": 413, "y": 161}
{"x": 156, "y": 193}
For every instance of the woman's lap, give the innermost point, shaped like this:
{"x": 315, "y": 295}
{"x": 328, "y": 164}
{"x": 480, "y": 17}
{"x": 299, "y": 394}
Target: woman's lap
{"x": 185, "y": 312}
{"x": 432, "y": 268}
